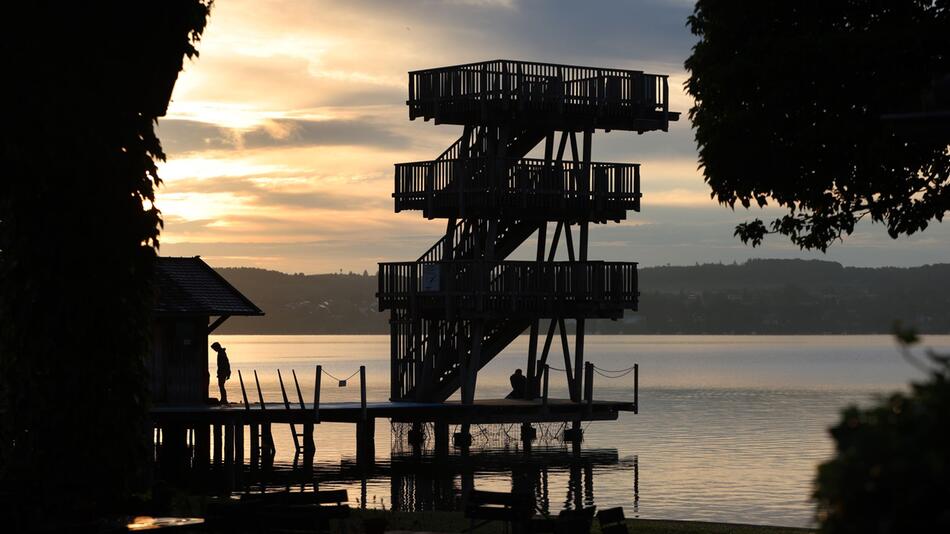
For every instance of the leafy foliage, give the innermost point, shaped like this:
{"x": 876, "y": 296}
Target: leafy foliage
{"x": 891, "y": 471}
{"x": 789, "y": 99}
{"x": 78, "y": 236}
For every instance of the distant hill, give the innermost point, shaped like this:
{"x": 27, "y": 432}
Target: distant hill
{"x": 756, "y": 297}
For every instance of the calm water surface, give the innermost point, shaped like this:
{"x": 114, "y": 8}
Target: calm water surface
{"x": 730, "y": 428}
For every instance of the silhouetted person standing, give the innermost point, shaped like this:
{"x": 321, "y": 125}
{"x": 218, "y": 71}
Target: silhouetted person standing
{"x": 224, "y": 370}
{"x": 518, "y": 384}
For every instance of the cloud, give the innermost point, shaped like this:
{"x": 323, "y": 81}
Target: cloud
{"x": 281, "y": 137}
{"x": 186, "y": 136}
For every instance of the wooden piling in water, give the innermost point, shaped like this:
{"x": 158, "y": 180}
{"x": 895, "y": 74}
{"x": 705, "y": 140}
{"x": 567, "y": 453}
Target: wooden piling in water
{"x": 202, "y": 446}
{"x": 239, "y": 452}
{"x": 365, "y": 428}
{"x": 255, "y": 447}
{"x": 441, "y": 439}
{"x": 267, "y": 446}
{"x": 309, "y": 446}
{"x": 366, "y": 442}
{"x": 216, "y": 443}
{"x": 229, "y": 456}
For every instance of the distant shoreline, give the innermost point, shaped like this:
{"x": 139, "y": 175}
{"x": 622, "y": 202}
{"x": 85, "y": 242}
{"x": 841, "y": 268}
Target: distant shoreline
{"x": 758, "y": 297}
{"x": 386, "y": 334}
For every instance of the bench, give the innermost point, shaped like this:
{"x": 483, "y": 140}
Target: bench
{"x": 509, "y": 508}
{"x": 574, "y": 521}
{"x": 282, "y": 511}
{"x": 566, "y": 522}
{"x": 612, "y": 521}
{"x": 302, "y": 511}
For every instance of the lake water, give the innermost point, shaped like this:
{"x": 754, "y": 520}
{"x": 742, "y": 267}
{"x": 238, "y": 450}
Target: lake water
{"x": 731, "y": 428}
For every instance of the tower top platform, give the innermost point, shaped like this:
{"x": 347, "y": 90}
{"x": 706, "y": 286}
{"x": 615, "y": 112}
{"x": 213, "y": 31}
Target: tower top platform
{"x": 541, "y": 96}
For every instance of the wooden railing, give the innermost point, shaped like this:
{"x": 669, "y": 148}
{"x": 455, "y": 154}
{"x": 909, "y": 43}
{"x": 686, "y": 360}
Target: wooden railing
{"x": 539, "y": 87}
{"x": 508, "y": 286}
{"x": 527, "y": 183}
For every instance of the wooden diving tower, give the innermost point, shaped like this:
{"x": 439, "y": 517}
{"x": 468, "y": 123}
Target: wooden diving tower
{"x": 463, "y": 301}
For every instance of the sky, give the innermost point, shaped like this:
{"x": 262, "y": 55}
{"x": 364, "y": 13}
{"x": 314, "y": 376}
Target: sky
{"x": 281, "y": 137}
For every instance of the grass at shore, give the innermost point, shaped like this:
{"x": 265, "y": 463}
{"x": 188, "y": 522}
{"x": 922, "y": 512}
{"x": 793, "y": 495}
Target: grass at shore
{"x": 455, "y": 522}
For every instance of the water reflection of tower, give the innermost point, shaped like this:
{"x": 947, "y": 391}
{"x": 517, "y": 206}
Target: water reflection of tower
{"x": 423, "y": 485}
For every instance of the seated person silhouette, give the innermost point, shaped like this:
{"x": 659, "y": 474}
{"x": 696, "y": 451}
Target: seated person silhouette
{"x": 518, "y": 384}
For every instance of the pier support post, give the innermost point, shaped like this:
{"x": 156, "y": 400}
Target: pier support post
{"x": 441, "y": 439}
{"x": 229, "y": 456}
{"x": 589, "y": 385}
{"x": 575, "y": 435}
{"x": 202, "y": 446}
{"x": 366, "y": 442}
{"x": 417, "y": 438}
{"x": 174, "y": 452}
{"x": 239, "y": 453}
{"x": 463, "y": 439}
{"x": 255, "y": 447}
{"x": 309, "y": 447}
{"x": 267, "y": 447}
{"x": 217, "y": 444}
{"x": 528, "y": 435}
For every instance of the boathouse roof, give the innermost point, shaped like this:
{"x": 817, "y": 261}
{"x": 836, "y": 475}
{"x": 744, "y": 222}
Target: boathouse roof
{"x": 189, "y": 286}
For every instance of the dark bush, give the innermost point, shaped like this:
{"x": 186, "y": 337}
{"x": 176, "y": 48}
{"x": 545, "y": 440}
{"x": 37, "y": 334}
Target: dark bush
{"x": 891, "y": 470}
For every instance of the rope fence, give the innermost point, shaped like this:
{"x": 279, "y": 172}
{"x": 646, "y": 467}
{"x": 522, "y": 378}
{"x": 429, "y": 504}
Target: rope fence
{"x": 341, "y": 381}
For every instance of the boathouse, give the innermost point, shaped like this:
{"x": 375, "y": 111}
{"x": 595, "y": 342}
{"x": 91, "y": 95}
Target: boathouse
{"x": 192, "y": 301}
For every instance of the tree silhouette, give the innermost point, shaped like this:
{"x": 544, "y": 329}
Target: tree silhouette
{"x": 78, "y": 236}
{"x": 789, "y": 104}
{"x": 891, "y": 470}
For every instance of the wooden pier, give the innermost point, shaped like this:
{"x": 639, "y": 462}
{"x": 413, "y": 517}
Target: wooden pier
{"x": 456, "y": 307}
{"x": 199, "y": 436}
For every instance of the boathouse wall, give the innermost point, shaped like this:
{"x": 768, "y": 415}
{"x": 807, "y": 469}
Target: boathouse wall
{"x": 178, "y": 362}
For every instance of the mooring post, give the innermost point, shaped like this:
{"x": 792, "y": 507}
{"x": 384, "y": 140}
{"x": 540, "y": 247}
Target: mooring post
{"x": 636, "y": 387}
{"x": 544, "y": 390}
{"x": 363, "y": 392}
{"x": 589, "y": 384}
{"x": 316, "y": 394}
